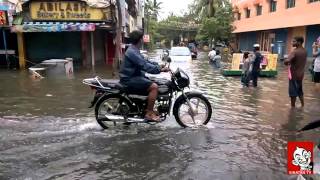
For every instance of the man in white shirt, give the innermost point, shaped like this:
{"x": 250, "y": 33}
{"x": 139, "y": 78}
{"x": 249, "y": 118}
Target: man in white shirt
{"x": 212, "y": 54}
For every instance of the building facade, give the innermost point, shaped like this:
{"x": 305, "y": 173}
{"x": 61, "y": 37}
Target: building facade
{"x": 274, "y": 23}
{"x": 65, "y": 29}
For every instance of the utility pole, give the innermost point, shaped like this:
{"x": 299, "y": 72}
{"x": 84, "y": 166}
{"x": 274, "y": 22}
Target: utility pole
{"x": 116, "y": 60}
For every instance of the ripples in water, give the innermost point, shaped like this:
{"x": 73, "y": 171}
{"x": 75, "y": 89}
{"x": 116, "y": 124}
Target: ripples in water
{"x": 56, "y": 136}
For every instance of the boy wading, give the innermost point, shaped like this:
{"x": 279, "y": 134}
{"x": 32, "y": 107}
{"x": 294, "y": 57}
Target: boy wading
{"x": 297, "y": 61}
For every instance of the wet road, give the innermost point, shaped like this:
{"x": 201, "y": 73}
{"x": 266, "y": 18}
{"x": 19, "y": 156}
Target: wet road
{"x": 47, "y": 131}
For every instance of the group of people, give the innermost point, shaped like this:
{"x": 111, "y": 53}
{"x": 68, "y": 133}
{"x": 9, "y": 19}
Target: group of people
{"x": 296, "y": 63}
{"x": 251, "y": 66}
{"x": 215, "y": 57}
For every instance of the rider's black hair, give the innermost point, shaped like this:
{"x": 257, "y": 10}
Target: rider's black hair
{"x": 135, "y": 36}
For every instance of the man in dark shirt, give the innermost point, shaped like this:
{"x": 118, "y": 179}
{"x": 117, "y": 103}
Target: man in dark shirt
{"x": 297, "y": 61}
{"x": 132, "y": 74}
{"x": 256, "y": 65}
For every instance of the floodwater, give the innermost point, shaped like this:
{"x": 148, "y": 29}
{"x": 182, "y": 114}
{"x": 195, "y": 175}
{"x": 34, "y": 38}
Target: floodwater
{"x": 47, "y": 131}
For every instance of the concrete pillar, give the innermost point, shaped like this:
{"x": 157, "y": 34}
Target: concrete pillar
{"x": 92, "y": 49}
{"x": 84, "y": 48}
{"x": 21, "y": 50}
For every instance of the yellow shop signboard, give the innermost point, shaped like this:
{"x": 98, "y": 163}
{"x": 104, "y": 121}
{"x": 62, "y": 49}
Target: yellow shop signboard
{"x": 67, "y": 11}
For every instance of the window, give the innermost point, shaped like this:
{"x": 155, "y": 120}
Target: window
{"x": 311, "y": 1}
{"x": 238, "y": 16}
{"x": 291, "y": 3}
{"x": 247, "y": 10}
{"x": 259, "y": 10}
{"x": 273, "y": 6}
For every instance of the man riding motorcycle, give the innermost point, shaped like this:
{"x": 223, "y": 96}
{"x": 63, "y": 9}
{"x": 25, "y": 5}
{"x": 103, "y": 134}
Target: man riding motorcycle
{"x": 132, "y": 74}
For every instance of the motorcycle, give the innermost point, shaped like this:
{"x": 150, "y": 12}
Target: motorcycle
{"x": 113, "y": 103}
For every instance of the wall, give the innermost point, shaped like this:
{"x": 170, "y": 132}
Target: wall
{"x": 302, "y": 14}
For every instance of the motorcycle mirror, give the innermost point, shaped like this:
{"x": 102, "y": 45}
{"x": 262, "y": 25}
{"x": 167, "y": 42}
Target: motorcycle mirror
{"x": 169, "y": 60}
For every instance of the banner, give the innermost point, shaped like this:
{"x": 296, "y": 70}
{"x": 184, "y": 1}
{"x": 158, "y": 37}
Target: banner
{"x": 236, "y": 59}
{"x": 3, "y": 18}
{"x": 269, "y": 62}
{"x": 52, "y": 27}
{"x": 146, "y": 38}
{"x": 272, "y": 62}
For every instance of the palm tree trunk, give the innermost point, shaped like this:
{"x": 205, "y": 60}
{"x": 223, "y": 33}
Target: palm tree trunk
{"x": 212, "y": 8}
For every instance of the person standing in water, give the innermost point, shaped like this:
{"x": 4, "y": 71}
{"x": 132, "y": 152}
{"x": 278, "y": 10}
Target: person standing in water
{"x": 297, "y": 61}
{"x": 246, "y": 70}
{"x": 257, "y": 58}
{"x": 217, "y": 59}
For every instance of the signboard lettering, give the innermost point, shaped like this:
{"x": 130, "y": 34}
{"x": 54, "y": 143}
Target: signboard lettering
{"x": 67, "y": 10}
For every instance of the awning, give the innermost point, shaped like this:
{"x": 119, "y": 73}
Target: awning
{"x": 55, "y": 27}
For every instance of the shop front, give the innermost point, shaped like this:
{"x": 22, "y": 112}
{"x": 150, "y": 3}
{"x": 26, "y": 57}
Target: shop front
{"x": 65, "y": 29}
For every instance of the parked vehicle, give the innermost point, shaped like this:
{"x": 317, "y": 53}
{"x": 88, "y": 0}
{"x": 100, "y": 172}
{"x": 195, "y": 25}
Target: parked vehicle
{"x": 180, "y": 54}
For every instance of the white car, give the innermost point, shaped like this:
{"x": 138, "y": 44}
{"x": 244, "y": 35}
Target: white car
{"x": 180, "y": 54}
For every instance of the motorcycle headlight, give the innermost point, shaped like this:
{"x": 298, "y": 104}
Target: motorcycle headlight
{"x": 182, "y": 78}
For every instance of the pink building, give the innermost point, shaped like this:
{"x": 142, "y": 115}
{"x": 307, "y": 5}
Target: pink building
{"x": 273, "y": 23}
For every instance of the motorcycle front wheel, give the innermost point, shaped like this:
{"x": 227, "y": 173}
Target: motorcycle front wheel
{"x": 183, "y": 114}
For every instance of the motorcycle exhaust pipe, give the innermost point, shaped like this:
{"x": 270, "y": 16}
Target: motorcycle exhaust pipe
{"x": 122, "y": 119}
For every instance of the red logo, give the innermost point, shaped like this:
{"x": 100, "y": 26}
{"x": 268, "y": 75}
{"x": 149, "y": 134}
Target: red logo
{"x": 300, "y": 157}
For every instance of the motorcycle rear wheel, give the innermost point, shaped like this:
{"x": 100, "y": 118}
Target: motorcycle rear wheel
{"x": 112, "y": 104}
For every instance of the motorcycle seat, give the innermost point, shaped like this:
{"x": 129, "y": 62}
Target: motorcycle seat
{"x": 112, "y": 83}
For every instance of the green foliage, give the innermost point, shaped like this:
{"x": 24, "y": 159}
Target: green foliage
{"x": 206, "y": 20}
{"x": 152, "y": 8}
{"x": 216, "y": 24}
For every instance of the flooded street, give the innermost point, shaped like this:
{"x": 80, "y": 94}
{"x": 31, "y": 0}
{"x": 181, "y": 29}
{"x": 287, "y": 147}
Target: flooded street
{"x": 47, "y": 131}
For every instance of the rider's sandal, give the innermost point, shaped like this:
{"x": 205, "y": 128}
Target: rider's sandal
{"x": 152, "y": 118}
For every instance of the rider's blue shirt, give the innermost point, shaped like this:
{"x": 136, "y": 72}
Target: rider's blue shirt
{"x": 135, "y": 65}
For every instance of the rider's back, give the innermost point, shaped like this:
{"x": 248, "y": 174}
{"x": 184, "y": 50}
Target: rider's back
{"x": 129, "y": 67}
{"x": 135, "y": 65}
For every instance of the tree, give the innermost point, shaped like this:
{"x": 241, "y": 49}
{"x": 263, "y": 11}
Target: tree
{"x": 152, "y": 9}
{"x": 216, "y": 20}
{"x": 173, "y": 27}
{"x": 207, "y": 8}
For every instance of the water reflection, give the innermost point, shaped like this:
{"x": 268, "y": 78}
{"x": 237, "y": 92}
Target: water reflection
{"x": 47, "y": 131}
